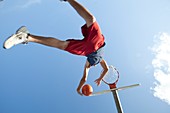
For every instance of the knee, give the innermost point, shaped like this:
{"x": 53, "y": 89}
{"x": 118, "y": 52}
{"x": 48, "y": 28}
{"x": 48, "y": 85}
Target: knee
{"x": 63, "y": 45}
{"x": 90, "y": 20}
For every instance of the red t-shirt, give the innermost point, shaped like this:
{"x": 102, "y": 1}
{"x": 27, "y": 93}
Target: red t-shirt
{"x": 92, "y": 41}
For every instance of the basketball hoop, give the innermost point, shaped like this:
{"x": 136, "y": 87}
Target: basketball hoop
{"x": 111, "y": 78}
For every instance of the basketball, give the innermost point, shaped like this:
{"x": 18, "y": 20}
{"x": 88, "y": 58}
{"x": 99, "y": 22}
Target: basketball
{"x": 87, "y": 90}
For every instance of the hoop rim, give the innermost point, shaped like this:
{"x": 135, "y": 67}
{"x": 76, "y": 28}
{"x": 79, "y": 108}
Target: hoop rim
{"x": 112, "y": 85}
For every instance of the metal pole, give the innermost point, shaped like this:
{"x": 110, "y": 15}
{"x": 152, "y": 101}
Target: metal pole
{"x": 117, "y": 101}
{"x": 116, "y": 98}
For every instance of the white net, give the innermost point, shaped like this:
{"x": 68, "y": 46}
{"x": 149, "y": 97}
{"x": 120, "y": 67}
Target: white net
{"x": 112, "y": 75}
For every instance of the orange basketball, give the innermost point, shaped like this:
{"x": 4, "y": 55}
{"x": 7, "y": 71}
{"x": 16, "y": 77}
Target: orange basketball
{"x": 87, "y": 90}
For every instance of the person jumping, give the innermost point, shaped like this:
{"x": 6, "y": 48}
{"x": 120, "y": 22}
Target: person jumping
{"x": 90, "y": 46}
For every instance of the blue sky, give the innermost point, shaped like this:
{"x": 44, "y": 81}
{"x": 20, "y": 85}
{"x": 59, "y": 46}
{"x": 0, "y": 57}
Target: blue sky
{"x": 39, "y": 79}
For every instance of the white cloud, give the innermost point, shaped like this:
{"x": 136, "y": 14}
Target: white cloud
{"x": 30, "y": 3}
{"x": 161, "y": 65}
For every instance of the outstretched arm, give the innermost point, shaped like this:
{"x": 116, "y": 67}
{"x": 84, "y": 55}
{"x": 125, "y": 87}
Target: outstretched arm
{"x": 84, "y": 78}
{"x": 105, "y": 70}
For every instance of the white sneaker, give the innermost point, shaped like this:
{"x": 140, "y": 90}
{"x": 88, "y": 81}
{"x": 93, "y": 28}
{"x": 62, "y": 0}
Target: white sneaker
{"x": 20, "y": 37}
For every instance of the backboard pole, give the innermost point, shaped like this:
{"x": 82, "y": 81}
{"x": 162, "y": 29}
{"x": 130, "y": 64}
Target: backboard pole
{"x": 116, "y": 99}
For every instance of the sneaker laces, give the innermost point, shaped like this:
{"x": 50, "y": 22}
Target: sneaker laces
{"x": 20, "y": 37}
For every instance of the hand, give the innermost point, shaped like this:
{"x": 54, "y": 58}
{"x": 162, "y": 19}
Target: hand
{"x": 98, "y": 81}
{"x": 79, "y": 92}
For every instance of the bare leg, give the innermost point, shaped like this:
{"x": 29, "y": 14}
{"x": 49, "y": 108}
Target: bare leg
{"x": 48, "y": 41}
{"x": 83, "y": 12}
